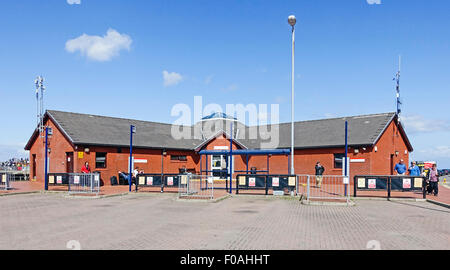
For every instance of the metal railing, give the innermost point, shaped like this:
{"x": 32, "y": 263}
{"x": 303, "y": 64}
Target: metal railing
{"x": 17, "y": 175}
{"x": 192, "y": 186}
{"x": 404, "y": 183}
{"x": 323, "y": 187}
{"x": 275, "y": 182}
{"x": 88, "y": 183}
{"x": 5, "y": 181}
{"x": 157, "y": 180}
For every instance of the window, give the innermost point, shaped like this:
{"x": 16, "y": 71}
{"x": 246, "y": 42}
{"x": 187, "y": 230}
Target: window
{"x": 178, "y": 157}
{"x": 338, "y": 161}
{"x": 100, "y": 160}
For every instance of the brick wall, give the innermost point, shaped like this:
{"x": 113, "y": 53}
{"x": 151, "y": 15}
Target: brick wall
{"x": 375, "y": 162}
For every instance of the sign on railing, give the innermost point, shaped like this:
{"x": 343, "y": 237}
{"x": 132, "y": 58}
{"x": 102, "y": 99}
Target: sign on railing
{"x": 157, "y": 180}
{"x": 5, "y": 181}
{"x": 403, "y": 183}
{"x": 266, "y": 182}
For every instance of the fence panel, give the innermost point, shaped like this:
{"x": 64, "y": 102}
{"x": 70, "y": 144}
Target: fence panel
{"x": 195, "y": 186}
{"x": 171, "y": 180}
{"x": 157, "y": 180}
{"x": 266, "y": 182}
{"x": 404, "y": 183}
{"x": 251, "y": 182}
{"x": 88, "y": 183}
{"x": 325, "y": 187}
{"x": 5, "y": 181}
{"x": 58, "y": 179}
{"x": 149, "y": 180}
{"x": 302, "y": 185}
{"x": 328, "y": 187}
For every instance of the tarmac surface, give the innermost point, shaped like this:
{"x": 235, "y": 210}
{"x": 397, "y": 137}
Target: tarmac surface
{"x": 160, "y": 221}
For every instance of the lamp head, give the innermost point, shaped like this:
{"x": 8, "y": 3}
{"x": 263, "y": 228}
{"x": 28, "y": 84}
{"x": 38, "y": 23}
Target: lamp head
{"x": 292, "y": 20}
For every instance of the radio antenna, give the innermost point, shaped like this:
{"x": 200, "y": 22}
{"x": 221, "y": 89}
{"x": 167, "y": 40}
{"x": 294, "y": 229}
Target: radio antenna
{"x": 397, "y": 88}
{"x": 39, "y": 82}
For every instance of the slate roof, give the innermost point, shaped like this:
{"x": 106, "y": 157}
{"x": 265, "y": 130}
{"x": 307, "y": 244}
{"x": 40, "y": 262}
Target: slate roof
{"x": 86, "y": 129}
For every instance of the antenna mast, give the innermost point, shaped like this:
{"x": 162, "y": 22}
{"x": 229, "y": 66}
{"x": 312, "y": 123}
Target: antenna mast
{"x": 39, "y": 82}
{"x": 397, "y": 79}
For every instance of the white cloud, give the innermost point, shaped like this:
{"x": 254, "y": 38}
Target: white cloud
{"x": 71, "y": 2}
{"x": 418, "y": 124}
{"x": 100, "y": 48}
{"x": 171, "y": 78}
{"x": 372, "y": 2}
{"x": 437, "y": 152}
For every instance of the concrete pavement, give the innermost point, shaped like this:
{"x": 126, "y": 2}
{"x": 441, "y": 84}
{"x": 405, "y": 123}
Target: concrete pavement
{"x": 159, "y": 221}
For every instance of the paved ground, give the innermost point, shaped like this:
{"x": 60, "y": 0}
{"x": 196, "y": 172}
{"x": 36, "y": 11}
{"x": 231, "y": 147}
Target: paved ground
{"x": 159, "y": 221}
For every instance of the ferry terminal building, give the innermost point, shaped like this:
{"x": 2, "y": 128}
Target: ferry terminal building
{"x": 375, "y": 144}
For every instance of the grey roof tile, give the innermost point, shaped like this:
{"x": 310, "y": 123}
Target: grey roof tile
{"x": 101, "y": 130}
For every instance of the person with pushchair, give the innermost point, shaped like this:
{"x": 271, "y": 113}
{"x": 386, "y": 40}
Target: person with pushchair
{"x": 433, "y": 180}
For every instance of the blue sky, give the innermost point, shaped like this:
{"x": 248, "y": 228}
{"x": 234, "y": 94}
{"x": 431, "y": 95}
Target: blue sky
{"x": 228, "y": 52}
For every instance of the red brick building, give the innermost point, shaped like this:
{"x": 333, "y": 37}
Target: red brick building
{"x": 376, "y": 143}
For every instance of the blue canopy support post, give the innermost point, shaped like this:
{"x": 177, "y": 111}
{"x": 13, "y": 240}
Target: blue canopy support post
{"x": 132, "y": 130}
{"x": 201, "y": 173}
{"x": 268, "y": 170}
{"x": 346, "y": 154}
{"x": 231, "y": 157}
{"x": 206, "y": 160}
{"x": 46, "y": 159}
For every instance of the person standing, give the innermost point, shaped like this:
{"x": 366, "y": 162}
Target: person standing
{"x": 400, "y": 168}
{"x": 414, "y": 169}
{"x": 86, "y": 168}
{"x": 433, "y": 178}
{"x": 319, "y": 174}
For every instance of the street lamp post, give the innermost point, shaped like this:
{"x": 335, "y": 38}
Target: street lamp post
{"x": 292, "y": 20}
{"x": 132, "y": 130}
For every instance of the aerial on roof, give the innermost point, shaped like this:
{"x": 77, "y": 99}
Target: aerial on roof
{"x": 86, "y": 129}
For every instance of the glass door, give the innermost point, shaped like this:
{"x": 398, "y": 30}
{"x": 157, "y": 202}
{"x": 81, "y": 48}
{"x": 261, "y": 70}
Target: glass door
{"x": 219, "y": 166}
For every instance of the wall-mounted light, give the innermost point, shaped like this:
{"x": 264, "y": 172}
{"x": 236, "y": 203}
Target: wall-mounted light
{"x": 164, "y": 152}
{"x": 364, "y": 149}
{"x": 396, "y": 153}
{"x": 86, "y": 150}
{"x": 49, "y": 150}
{"x": 356, "y": 150}
{"x": 376, "y": 148}
{"x": 406, "y": 152}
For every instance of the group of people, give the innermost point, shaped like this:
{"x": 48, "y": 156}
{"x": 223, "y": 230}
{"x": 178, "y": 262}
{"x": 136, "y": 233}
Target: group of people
{"x": 15, "y": 164}
{"x": 134, "y": 174}
{"x": 432, "y": 175}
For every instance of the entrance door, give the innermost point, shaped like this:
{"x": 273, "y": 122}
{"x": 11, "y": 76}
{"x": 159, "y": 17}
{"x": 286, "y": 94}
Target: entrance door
{"x": 219, "y": 166}
{"x": 33, "y": 164}
{"x": 392, "y": 164}
{"x": 69, "y": 162}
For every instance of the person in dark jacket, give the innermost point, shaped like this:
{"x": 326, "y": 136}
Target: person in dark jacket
{"x": 319, "y": 174}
